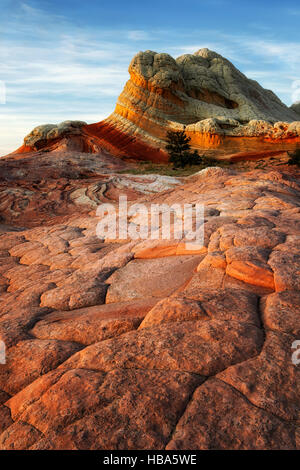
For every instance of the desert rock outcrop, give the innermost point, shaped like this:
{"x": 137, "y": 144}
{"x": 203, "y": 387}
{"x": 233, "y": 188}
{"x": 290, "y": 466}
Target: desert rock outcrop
{"x": 222, "y": 110}
{"x": 296, "y": 107}
{"x": 100, "y": 359}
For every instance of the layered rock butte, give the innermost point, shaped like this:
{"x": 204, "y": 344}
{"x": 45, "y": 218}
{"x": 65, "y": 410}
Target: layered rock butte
{"x": 222, "y": 110}
{"x": 127, "y": 344}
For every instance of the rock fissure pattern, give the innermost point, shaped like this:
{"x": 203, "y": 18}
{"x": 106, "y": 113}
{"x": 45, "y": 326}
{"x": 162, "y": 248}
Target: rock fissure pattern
{"x": 143, "y": 344}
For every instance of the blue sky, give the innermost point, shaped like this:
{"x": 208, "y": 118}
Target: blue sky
{"x": 68, "y": 59}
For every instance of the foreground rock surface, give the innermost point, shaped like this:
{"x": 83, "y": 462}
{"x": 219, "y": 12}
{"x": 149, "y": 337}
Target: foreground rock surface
{"x": 142, "y": 345}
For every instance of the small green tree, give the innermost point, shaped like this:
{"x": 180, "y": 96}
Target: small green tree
{"x": 179, "y": 150}
{"x": 294, "y": 157}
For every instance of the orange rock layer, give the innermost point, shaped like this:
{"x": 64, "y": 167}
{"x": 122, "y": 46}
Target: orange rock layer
{"x": 162, "y": 94}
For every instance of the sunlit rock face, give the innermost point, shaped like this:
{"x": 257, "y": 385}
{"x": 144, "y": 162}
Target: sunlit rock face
{"x": 221, "y": 109}
{"x": 139, "y": 344}
{"x": 195, "y": 87}
{"x": 39, "y": 135}
{"x": 207, "y": 94}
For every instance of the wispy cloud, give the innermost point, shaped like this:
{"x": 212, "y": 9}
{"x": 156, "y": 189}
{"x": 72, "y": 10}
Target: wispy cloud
{"x": 138, "y": 35}
{"x": 293, "y": 11}
{"x": 285, "y": 52}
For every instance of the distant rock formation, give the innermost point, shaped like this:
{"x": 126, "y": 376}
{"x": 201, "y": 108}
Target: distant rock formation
{"x": 205, "y": 93}
{"x": 206, "y": 85}
{"x": 221, "y": 109}
{"x": 296, "y": 107}
{"x": 42, "y": 134}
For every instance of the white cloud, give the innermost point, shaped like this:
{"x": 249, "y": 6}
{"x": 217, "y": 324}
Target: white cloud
{"x": 2, "y": 92}
{"x": 296, "y": 91}
{"x": 293, "y": 11}
{"x": 138, "y": 35}
{"x": 286, "y": 52}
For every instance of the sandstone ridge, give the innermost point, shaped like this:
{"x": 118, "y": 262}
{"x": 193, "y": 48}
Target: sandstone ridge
{"x": 296, "y": 107}
{"x": 221, "y": 109}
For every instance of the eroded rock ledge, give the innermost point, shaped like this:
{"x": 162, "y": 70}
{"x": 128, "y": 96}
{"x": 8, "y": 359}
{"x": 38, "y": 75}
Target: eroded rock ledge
{"x": 221, "y": 109}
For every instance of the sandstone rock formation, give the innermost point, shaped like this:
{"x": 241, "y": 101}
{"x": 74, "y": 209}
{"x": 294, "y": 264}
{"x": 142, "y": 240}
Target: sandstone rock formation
{"x": 38, "y": 185}
{"x": 41, "y": 134}
{"x": 149, "y": 344}
{"x": 220, "y": 107}
{"x": 140, "y": 345}
{"x": 296, "y": 107}
{"x": 223, "y": 111}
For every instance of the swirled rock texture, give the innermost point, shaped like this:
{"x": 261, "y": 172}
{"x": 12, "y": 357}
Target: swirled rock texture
{"x": 223, "y": 112}
{"x": 143, "y": 344}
